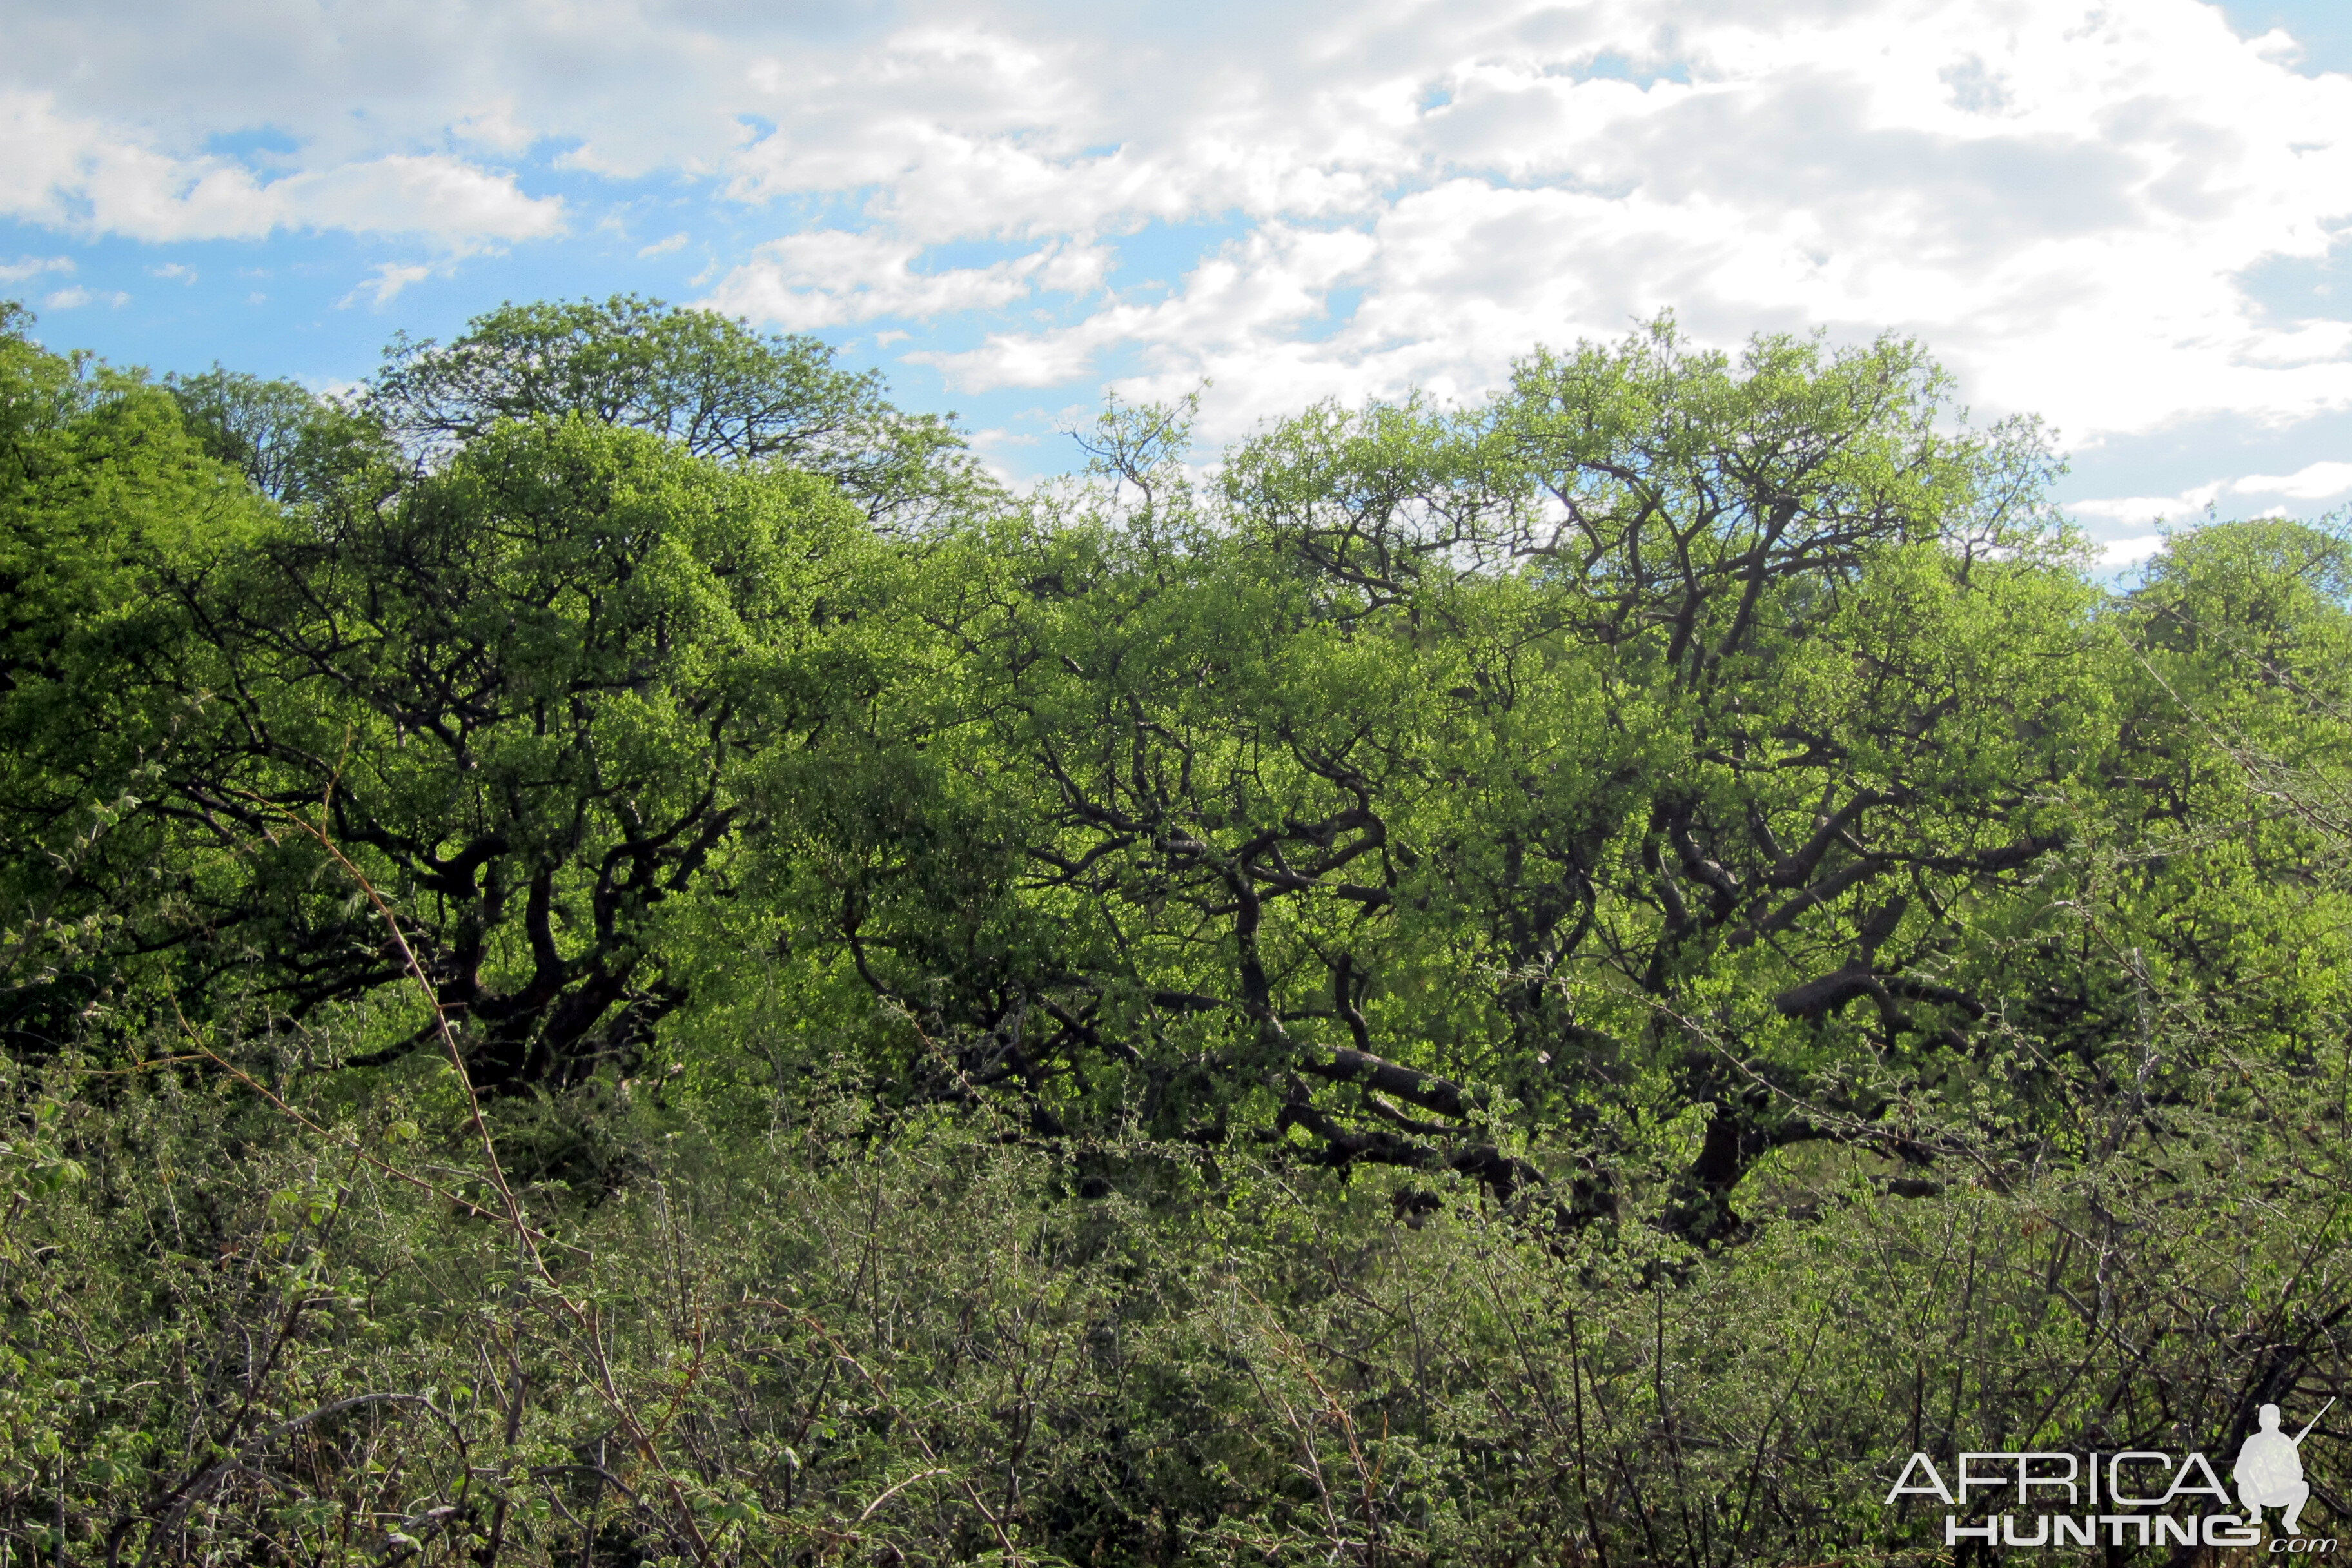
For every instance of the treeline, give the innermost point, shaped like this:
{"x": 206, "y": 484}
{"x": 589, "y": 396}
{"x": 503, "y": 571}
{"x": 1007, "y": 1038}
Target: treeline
{"x": 1359, "y": 931}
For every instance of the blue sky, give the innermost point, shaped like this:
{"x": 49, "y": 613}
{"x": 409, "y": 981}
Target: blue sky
{"x": 2129, "y": 218}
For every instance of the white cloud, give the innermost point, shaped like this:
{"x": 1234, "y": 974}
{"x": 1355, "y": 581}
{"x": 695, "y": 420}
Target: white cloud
{"x": 664, "y": 247}
{"x": 1258, "y": 290}
{"x": 73, "y": 172}
{"x": 829, "y": 276}
{"x": 26, "y": 266}
{"x": 2139, "y": 510}
{"x": 2064, "y": 199}
{"x": 437, "y": 195}
{"x": 2319, "y": 481}
{"x": 2315, "y": 482}
{"x": 390, "y": 278}
{"x": 495, "y": 128}
{"x": 76, "y": 297}
{"x": 174, "y": 271}
{"x": 2117, "y": 554}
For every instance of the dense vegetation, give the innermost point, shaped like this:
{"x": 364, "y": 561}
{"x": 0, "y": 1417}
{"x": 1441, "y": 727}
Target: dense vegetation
{"x": 607, "y": 954}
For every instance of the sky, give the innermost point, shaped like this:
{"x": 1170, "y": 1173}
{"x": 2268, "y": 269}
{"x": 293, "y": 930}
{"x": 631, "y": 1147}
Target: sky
{"x": 2133, "y": 219}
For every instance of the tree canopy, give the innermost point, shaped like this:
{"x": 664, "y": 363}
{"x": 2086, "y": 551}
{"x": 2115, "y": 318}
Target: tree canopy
{"x": 753, "y": 910}
{"x": 1727, "y": 743}
{"x": 710, "y": 384}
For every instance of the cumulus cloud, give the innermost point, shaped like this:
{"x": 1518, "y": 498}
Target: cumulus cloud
{"x": 2116, "y": 554}
{"x": 2066, "y": 200}
{"x": 79, "y": 173}
{"x": 389, "y": 278}
{"x": 432, "y": 194}
{"x": 833, "y": 276}
{"x": 1255, "y": 291}
{"x": 2032, "y": 250}
{"x": 76, "y": 297}
{"x": 2319, "y": 481}
{"x": 26, "y": 266}
{"x": 2315, "y": 482}
{"x": 2063, "y": 199}
{"x": 2135, "y": 512}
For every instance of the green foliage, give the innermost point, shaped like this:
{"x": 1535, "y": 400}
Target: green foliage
{"x": 101, "y": 493}
{"x": 1664, "y": 746}
{"x": 608, "y": 953}
{"x": 931, "y": 1350}
{"x": 713, "y": 386}
{"x": 527, "y": 692}
{"x": 292, "y": 443}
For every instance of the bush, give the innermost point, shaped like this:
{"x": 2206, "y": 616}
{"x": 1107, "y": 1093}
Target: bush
{"x": 235, "y": 1334}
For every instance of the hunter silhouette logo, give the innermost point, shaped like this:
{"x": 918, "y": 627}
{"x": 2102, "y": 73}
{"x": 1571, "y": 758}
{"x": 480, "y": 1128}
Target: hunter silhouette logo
{"x": 2269, "y": 1471}
{"x": 2124, "y": 1493}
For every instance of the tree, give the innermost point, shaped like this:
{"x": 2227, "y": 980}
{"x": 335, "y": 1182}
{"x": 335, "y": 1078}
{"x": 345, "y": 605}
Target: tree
{"x": 719, "y": 389}
{"x": 1867, "y": 662}
{"x": 1596, "y": 752}
{"x": 526, "y": 694}
{"x": 524, "y": 670}
{"x": 288, "y": 440}
{"x": 1681, "y": 757}
{"x": 102, "y": 491}
{"x": 2234, "y": 716}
